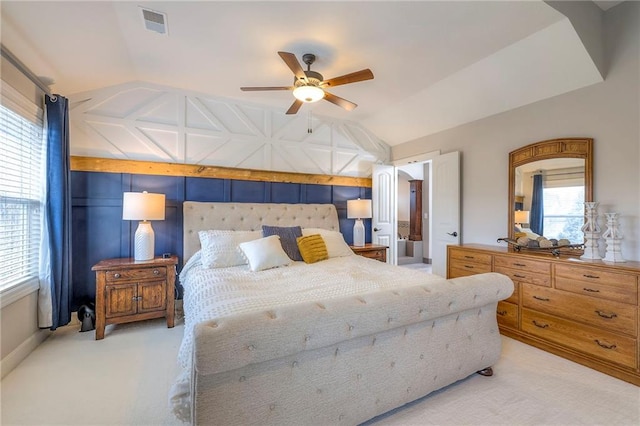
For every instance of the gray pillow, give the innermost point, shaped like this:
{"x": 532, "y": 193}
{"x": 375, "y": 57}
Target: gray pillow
{"x": 288, "y": 239}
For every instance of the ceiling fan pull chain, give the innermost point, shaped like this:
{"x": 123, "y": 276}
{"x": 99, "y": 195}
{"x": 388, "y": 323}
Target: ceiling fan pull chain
{"x": 309, "y": 123}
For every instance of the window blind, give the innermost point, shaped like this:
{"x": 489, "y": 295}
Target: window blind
{"x": 21, "y": 188}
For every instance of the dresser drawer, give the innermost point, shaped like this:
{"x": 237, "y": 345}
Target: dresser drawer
{"x": 466, "y": 256}
{"x": 593, "y": 282}
{"x": 136, "y": 274}
{"x": 507, "y": 314}
{"x": 589, "y": 340}
{"x": 460, "y": 269}
{"x": 525, "y": 276}
{"x": 518, "y": 263}
{"x": 613, "y": 316}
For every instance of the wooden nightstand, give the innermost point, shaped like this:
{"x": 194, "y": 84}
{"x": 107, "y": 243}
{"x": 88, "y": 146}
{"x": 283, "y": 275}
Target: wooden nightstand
{"x": 128, "y": 291}
{"x": 372, "y": 251}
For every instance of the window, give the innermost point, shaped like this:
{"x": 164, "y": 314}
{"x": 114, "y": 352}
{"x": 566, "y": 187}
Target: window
{"x": 564, "y": 212}
{"x": 21, "y": 189}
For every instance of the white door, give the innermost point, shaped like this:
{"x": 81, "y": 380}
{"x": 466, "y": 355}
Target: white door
{"x": 383, "y": 203}
{"x": 445, "y": 208}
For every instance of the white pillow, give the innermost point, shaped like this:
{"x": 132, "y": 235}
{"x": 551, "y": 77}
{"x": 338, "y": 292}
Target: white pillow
{"x": 336, "y": 245}
{"x": 220, "y": 248}
{"x": 265, "y": 253}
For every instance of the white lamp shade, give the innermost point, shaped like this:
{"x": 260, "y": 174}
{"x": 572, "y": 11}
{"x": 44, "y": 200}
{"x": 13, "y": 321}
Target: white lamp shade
{"x": 358, "y": 209}
{"x": 521, "y": 216}
{"x": 142, "y": 206}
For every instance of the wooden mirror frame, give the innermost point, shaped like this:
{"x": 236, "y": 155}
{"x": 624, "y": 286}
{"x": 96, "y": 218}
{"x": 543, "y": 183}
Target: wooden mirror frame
{"x": 544, "y": 150}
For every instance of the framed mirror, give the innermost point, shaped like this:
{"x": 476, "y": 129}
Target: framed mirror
{"x": 549, "y": 182}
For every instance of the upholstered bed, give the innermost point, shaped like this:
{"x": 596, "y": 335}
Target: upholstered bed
{"x": 338, "y": 341}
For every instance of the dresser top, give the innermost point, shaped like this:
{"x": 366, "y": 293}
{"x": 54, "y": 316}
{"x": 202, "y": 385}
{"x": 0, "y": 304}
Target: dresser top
{"x": 629, "y": 265}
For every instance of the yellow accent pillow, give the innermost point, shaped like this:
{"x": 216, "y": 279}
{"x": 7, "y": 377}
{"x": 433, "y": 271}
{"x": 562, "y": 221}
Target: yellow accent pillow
{"x": 312, "y": 248}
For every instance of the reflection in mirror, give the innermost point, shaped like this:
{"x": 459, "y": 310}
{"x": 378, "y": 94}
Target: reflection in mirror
{"x": 549, "y": 182}
{"x": 558, "y": 209}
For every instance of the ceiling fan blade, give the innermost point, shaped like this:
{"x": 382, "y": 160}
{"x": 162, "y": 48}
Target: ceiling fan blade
{"x": 253, "y": 89}
{"x": 293, "y": 64}
{"x": 354, "y": 77}
{"x": 294, "y": 107}
{"x": 348, "y": 105}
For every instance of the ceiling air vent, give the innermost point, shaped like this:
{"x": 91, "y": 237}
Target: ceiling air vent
{"x": 154, "y": 21}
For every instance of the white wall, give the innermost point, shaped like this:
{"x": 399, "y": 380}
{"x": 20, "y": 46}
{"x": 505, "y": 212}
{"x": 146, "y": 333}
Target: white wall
{"x": 608, "y": 112}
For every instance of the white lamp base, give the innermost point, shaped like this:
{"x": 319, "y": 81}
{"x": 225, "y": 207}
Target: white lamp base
{"x": 358, "y": 233}
{"x": 144, "y": 242}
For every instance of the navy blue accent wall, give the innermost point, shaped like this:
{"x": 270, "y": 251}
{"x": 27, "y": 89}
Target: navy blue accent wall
{"x": 100, "y": 233}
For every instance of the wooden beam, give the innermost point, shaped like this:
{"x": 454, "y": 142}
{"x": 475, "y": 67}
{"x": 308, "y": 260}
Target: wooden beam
{"x": 110, "y": 165}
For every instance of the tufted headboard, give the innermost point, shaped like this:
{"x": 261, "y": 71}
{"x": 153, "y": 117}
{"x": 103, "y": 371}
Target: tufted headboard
{"x": 200, "y": 216}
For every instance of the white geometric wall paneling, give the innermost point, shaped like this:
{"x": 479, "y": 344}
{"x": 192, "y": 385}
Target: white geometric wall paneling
{"x": 141, "y": 121}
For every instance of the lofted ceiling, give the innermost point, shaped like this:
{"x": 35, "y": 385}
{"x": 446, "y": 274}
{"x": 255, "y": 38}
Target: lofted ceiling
{"x": 436, "y": 64}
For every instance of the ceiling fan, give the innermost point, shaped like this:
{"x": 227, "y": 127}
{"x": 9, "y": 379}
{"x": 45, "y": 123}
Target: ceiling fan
{"x": 309, "y": 86}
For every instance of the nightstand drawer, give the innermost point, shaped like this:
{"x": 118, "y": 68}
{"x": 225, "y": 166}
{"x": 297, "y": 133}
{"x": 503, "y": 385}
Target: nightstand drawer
{"x": 371, "y": 251}
{"x": 136, "y": 274}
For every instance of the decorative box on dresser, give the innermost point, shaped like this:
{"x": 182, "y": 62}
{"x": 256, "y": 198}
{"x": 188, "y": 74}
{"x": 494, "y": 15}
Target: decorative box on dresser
{"x": 128, "y": 290}
{"x": 585, "y": 311}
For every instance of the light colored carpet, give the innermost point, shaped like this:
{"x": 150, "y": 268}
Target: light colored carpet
{"x": 71, "y": 379}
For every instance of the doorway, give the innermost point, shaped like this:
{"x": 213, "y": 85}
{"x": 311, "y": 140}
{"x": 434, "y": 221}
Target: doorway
{"x": 440, "y": 206}
{"x": 412, "y": 212}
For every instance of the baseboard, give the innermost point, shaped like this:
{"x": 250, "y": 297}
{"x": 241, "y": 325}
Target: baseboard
{"x": 11, "y": 361}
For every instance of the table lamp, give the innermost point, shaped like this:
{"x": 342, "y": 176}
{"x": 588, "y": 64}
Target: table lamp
{"x": 358, "y": 210}
{"x": 144, "y": 207}
{"x": 521, "y": 217}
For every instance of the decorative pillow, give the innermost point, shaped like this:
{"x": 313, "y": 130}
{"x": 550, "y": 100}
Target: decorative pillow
{"x": 265, "y": 253}
{"x": 288, "y": 237}
{"x": 220, "y": 248}
{"x": 336, "y": 246}
{"x": 312, "y": 248}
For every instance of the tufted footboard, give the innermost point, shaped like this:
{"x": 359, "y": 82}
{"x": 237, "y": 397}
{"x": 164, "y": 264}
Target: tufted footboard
{"x": 345, "y": 360}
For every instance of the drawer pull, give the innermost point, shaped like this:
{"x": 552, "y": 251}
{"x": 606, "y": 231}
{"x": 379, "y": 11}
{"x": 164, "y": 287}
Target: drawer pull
{"x": 502, "y": 313}
{"x": 519, "y": 276}
{"x": 591, "y": 290}
{"x": 591, "y": 276}
{"x": 468, "y": 266}
{"x": 540, "y": 325}
{"x": 519, "y": 264}
{"x": 116, "y": 275}
{"x": 136, "y": 298}
{"x": 156, "y": 272}
{"x": 604, "y": 345}
{"x": 544, "y": 299}
{"x": 607, "y": 315}
{"x": 469, "y": 257}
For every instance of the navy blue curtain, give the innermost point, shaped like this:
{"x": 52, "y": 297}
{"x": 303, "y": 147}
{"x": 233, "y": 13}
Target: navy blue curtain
{"x": 58, "y": 206}
{"x": 537, "y": 206}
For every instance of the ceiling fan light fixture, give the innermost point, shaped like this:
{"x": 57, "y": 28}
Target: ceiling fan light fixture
{"x": 308, "y": 93}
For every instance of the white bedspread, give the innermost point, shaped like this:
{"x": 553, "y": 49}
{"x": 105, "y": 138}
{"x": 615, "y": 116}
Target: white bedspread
{"x": 216, "y": 293}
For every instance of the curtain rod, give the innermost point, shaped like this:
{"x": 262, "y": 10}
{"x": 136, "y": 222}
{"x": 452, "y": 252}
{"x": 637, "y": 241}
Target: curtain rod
{"x": 24, "y": 69}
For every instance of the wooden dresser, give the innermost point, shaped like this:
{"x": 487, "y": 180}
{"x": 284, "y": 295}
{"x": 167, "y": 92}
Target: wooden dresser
{"x": 128, "y": 291}
{"x": 585, "y": 311}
